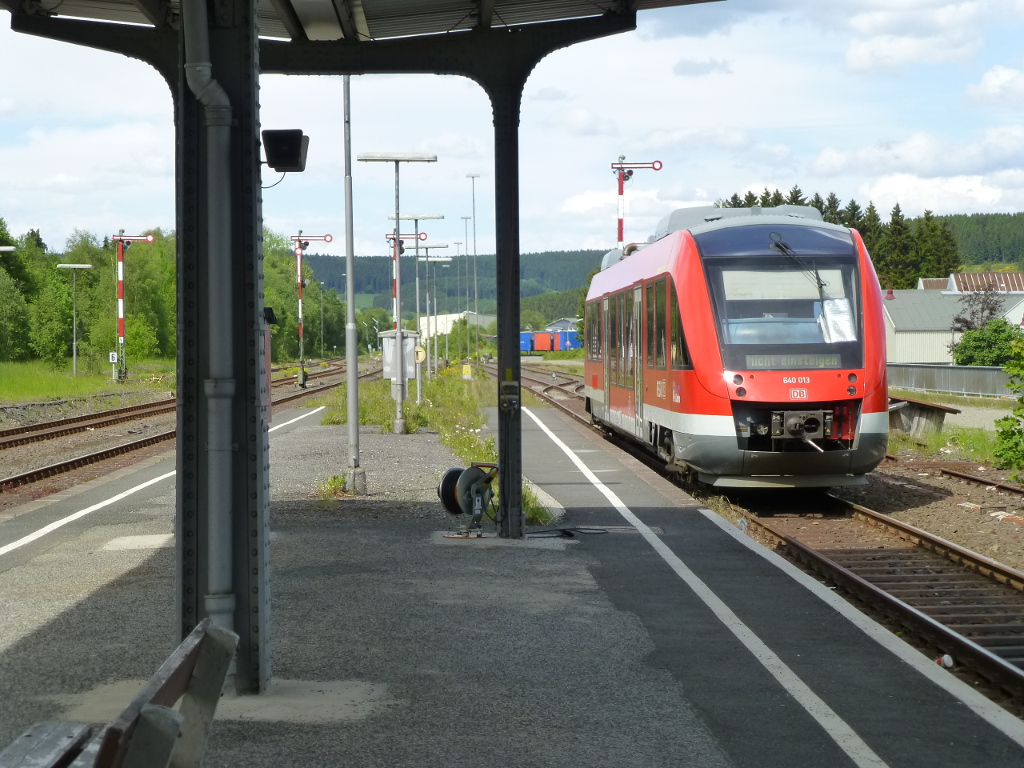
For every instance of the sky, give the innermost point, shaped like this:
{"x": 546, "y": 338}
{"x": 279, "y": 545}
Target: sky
{"x": 916, "y": 102}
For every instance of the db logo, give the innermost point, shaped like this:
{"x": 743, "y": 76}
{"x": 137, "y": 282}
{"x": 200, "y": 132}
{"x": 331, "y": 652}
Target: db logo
{"x": 798, "y": 394}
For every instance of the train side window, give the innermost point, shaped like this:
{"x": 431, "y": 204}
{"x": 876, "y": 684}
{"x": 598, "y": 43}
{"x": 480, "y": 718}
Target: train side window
{"x": 659, "y": 323}
{"x": 650, "y": 325}
{"x": 613, "y": 340}
{"x": 677, "y": 342}
{"x": 629, "y": 369}
{"x": 594, "y": 325}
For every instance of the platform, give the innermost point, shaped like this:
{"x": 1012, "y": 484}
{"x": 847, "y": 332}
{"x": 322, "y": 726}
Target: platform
{"x": 670, "y": 641}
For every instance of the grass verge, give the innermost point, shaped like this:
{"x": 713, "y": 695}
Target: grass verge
{"x": 952, "y": 443}
{"x": 452, "y": 407}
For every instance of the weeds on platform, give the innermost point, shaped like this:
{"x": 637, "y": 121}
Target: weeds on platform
{"x": 332, "y": 487}
{"x": 452, "y": 407}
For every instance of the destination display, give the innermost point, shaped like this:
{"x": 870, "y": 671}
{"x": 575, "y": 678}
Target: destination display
{"x": 772, "y": 362}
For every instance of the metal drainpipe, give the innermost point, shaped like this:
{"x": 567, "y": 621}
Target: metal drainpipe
{"x": 219, "y": 389}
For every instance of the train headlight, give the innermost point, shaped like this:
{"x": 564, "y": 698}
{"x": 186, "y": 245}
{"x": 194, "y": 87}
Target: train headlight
{"x": 741, "y": 392}
{"x": 737, "y": 379}
{"x": 851, "y": 390}
{"x": 853, "y": 378}
{"x": 762, "y": 429}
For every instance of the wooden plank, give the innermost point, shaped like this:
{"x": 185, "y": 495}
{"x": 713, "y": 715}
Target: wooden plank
{"x": 155, "y": 737}
{"x": 49, "y": 744}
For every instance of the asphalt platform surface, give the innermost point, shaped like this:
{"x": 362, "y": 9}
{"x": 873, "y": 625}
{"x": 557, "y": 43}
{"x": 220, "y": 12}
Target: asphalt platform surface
{"x": 394, "y": 646}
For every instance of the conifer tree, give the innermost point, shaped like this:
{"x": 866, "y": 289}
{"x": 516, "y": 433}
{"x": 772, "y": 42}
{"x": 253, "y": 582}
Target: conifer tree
{"x": 750, "y": 200}
{"x": 796, "y": 196}
{"x": 817, "y": 202}
{"x": 735, "y": 201}
{"x": 833, "y": 209}
{"x": 766, "y": 198}
{"x": 900, "y": 252}
{"x": 777, "y": 199}
{"x": 852, "y": 215}
{"x": 872, "y": 230}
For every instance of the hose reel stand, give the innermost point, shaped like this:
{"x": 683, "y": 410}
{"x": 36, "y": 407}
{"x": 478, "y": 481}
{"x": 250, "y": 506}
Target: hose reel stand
{"x": 468, "y": 491}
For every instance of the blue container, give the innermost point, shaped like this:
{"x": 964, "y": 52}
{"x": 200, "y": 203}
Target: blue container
{"x": 525, "y": 341}
{"x": 573, "y": 340}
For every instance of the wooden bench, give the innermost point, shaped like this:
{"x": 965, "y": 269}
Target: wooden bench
{"x": 916, "y": 417}
{"x": 148, "y": 733}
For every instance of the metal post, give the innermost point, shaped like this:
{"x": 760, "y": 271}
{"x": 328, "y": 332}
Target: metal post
{"x": 321, "y": 320}
{"x": 476, "y": 294}
{"x": 74, "y": 311}
{"x": 458, "y": 293}
{"x": 465, "y": 223}
{"x": 355, "y": 480}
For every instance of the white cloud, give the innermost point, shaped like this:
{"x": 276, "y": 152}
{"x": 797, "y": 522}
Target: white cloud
{"x": 951, "y": 194}
{"x": 1000, "y": 85}
{"x": 694, "y": 68}
{"x": 579, "y": 121}
{"x": 547, "y": 93}
{"x": 926, "y": 154}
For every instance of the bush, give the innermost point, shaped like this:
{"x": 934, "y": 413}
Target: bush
{"x": 1009, "y": 450}
{"x": 989, "y": 345}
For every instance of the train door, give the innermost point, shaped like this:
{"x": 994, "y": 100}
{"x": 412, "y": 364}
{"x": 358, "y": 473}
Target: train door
{"x": 638, "y": 360}
{"x": 607, "y": 357}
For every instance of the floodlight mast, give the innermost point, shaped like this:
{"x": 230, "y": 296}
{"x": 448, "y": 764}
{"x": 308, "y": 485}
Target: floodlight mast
{"x": 123, "y": 241}
{"x": 381, "y": 157}
{"x": 415, "y": 218}
{"x": 625, "y": 171}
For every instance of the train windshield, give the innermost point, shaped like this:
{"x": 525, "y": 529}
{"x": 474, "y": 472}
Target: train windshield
{"x": 783, "y": 298}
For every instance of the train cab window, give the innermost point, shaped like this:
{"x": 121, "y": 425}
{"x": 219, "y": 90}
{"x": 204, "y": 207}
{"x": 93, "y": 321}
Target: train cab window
{"x": 677, "y": 343}
{"x": 660, "y": 289}
{"x": 784, "y": 297}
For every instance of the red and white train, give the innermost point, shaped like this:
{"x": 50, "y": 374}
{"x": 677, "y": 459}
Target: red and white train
{"x": 745, "y": 346}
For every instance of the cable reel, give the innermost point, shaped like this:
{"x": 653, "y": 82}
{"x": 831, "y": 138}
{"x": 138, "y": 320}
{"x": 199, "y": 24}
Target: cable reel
{"x": 468, "y": 491}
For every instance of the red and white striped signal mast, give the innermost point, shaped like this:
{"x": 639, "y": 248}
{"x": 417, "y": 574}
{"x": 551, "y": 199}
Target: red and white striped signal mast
{"x": 301, "y": 244}
{"x": 625, "y": 171}
{"x": 123, "y": 241}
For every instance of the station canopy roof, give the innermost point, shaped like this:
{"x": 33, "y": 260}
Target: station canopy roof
{"x": 352, "y": 19}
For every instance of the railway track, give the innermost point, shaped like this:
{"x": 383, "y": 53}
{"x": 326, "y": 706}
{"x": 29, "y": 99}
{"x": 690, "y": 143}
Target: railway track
{"x": 966, "y": 606}
{"x": 61, "y": 467}
{"x": 31, "y": 433}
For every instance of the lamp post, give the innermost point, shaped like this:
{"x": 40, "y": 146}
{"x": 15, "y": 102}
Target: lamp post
{"x": 123, "y": 241}
{"x": 428, "y": 261}
{"x": 415, "y": 218}
{"x": 465, "y": 222}
{"x": 458, "y": 293}
{"x": 397, "y": 159}
{"x": 321, "y": 320}
{"x": 476, "y": 293}
{"x": 74, "y": 311}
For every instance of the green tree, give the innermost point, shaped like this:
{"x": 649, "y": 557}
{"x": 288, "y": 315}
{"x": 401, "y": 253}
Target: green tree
{"x": 818, "y": 202}
{"x": 796, "y": 196}
{"x": 750, "y": 200}
{"x": 852, "y": 216}
{"x": 899, "y": 252}
{"x": 50, "y": 322}
{"x": 14, "y": 315}
{"x": 937, "y": 247}
{"x": 833, "y": 209}
{"x": 872, "y": 230}
{"x": 1009, "y": 450}
{"x": 991, "y": 344}
{"x": 140, "y": 338}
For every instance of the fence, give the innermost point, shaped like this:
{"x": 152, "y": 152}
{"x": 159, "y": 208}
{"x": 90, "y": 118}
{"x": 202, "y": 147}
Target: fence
{"x": 957, "y": 379}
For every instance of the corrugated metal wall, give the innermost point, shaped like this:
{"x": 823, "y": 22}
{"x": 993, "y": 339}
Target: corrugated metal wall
{"x": 930, "y": 347}
{"x": 959, "y": 379}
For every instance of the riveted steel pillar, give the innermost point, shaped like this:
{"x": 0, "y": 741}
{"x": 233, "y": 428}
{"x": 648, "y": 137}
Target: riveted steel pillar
{"x": 234, "y": 59}
{"x": 506, "y": 101}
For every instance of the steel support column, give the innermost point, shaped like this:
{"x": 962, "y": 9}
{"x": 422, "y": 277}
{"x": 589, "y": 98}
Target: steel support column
{"x": 234, "y": 52}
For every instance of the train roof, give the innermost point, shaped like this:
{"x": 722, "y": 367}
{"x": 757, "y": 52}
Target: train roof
{"x": 705, "y": 218}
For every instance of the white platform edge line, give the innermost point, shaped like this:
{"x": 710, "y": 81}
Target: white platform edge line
{"x": 838, "y": 729}
{"x": 988, "y": 710}
{"x": 107, "y": 502}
